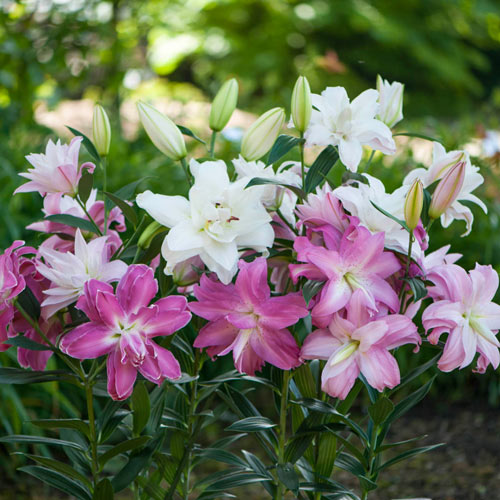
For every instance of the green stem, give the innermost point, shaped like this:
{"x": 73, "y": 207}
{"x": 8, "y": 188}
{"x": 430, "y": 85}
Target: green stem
{"x": 402, "y": 293}
{"x": 104, "y": 188}
{"x": 212, "y": 144}
{"x": 282, "y": 217}
{"x": 369, "y": 161}
{"x": 93, "y": 433}
{"x": 85, "y": 211}
{"x": 282, "y": 430}
{"x": 136, "y": 256}
{"x": 186, "y": 170}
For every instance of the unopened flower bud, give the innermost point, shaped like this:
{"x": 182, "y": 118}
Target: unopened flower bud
{"x": 101, "y": 130}
{"x": 223, "y": 105}
{"x": 260, "y": 137}
{"x": 162, "y": 131}
{"x": 301, "y": 104}
{"x": 447, "y": 190}
{"x": 149, "y": 233}
{"x": 186, "y": 273}
{"x": 390, "y": 101}
{"x": 413, "y": 204}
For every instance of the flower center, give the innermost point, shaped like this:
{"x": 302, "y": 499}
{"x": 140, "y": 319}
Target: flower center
{"x": 344, "y": 352}
{"x": 220, "y": 219}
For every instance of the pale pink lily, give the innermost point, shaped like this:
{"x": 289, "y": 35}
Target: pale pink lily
{"x": 56, "y": 171}
{"x": 358, "y": 343}
{"x": 360, "y": 262}
{"x": 463, "y": 308}
{"x": 245, "y": 319}
{"x": 69, "y": 272}
{"x": 123, "y": 324}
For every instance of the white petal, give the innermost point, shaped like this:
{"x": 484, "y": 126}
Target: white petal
{"x": 167, "y": 210}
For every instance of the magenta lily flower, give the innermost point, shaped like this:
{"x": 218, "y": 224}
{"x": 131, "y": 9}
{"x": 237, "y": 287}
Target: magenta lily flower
{"x": 359, "y": 263}
{"x": 245, "y": 319}
{"x": 123, "y": 324}
{"x": 463, "y": 307}
{"x": 358, "y": 344}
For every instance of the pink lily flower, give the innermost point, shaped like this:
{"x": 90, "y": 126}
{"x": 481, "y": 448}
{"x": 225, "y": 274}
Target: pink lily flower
{"x": 123, "y": 324}
{"x": 359, "y": 263}
{"x": 56, "y": 171}
{"x": 245, "y": 319}
{"x": 358, "y": 343}
{"x": 463, "y": 307}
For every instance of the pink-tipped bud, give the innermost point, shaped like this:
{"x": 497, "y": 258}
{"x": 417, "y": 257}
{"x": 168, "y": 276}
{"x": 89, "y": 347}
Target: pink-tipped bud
{"x": 447, "y": 190}
{"x": 413, "y": 204}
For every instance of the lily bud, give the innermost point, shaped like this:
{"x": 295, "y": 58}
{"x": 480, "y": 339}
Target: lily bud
{"x": 301, "y": 104}
{"x": 101, "y": 130}
{"x": 447, "y": 190}
{"x": 162, "y": 131}
{"x": 391, "y": 101}
{"x": 149, "y": 233}
{"x": 224, "y": 105}
{"x": 413, "y": 204}
{"x": 260, "y": 137}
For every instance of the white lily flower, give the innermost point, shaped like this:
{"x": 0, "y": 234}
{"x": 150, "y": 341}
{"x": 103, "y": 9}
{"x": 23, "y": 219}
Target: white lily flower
{"x": 348, "y": 125}
{"x": 358, "y": 201}
{"x": 272, "y": 196}
{"x": 69, "y": 272}
{"x": 442, "y": 162}
{"x": 219, "y": 219}
{"x": 391, "y": 101}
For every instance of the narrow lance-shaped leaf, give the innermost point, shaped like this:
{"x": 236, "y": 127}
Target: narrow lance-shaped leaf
{"x": 259, "y": 181}
{"x": 27, "y": 343}
{"x": 128, "y": 211}
{"x": 85, "y": 186}
{"x": 88, "y": 144}
{"x": 320, "y": 168}
{"x": 72, "y": 221}
{"x": 282, "y": 145}
{"x": 190, "y": 133}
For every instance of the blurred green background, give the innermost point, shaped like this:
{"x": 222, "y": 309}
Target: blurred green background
{"x": 58, "y": 57}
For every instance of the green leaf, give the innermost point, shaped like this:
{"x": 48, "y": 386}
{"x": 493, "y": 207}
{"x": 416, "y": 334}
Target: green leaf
{"x": 402, "y": 223}
{"x": 128, "y": 211}
{"x": 417, "y": 372}
{"x": 251, "y": 424}
{"x": 330, "y": 487}
{"x": 261, "y": 181}
{"x": 58, "y": 481}
{"x": 282, "y": 145}
{"x": 424, "y": 216}
{"x": 320, "y": 168}
{"x": 305, "y": 381}
{"x": 418, "y": 288}
{"x": 409, "y": 454}
{"x": 141, "y": 407}
{"x": 123, "y": 447}
{"x": 72, "y": 221}
{"x": 27, "y": 343}
{"x": 409, "y": 402}
{"x": 24, "y": 439}
{"x": 127, "y": 191}
{"x": 85, "y": 186}
{"x": 68, "y": 423}
{"x": 310, "y": 289}
{"x": 239, "y": 479}
{"x": 154, "y": 491}
{"x": 29, "y": 303}
{"x": 154, "y": 248}
{"x": 350, "y": 464}
{"x": 20, "y": 376}
{"x": 414, "y": 134}
{"x": 288, "y": 476}
{"x": 220, "y": 455}
{"x": 62, "y": 468}
{"x": 190, "y": 133}
{"x": 327, "y": 454}
{"x": 258, "y": 467}
{"x": 103, "y": 490}
{"x": 89, "y": 145}
{"x": 388, "y": 446}
{"x": 380, "y": 410}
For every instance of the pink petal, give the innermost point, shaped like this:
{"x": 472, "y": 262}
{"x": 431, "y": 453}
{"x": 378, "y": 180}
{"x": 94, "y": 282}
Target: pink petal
{"x": 379, "y": 368}
{"x": 319, "y": 344}
{"x": 137, "y": 288}
{"x": 216, "y": 333}
{"x": 88, "y": 341}
{"x": 489, "y": 351}
{"x": 215, "y": 300}
{"x": 277, "y": 347}
{"x": 251, "y": 282}
{"x": 338, "y": 380}
{"x": 109, "y": 310}
{"x": 121, "y": 377}
{"x": 165, "y": 322}
{"x": 401, "y": 330}
{"x": 87, "y": 302}
{"x": 169, "y": 366}
{"x": 280, "y": 312}
{"x": 334, "y": 296}
{"x": 453, "y": 353}
{"x": 484, "y": 283}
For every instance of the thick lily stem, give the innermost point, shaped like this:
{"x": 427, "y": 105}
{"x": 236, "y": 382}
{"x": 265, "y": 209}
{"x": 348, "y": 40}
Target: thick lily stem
{"x": 282, "y": 430}
{"x": 93, "y": 433}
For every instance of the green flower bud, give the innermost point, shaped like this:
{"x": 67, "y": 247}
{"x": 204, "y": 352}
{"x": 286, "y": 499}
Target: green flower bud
{"x": 101, "y": 130}
{"x": 162, "y": 131}
{"x": 413, "y": 204}
{"x": 301, "y": 104}
{"x": 223, "y": 105}
{"x": 260, "y": 137}
{"x": 149, "y": 233}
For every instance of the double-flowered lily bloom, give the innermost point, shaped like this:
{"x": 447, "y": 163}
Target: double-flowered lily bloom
{"x": 442, "y": 163}
{"x": 56, "y": 171}
{"x": 348, "y": 125}
{"x": 219, "y": 218}
{"x": 463, "y": 308}
{"x": 359, "y": 263}
{"x": 123, "y": 324}
{"x": 69, "y": 271}
{"x": 357, "y": 343}
{"x": 12, "y": 283}
{"x": 245, "y": 319}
